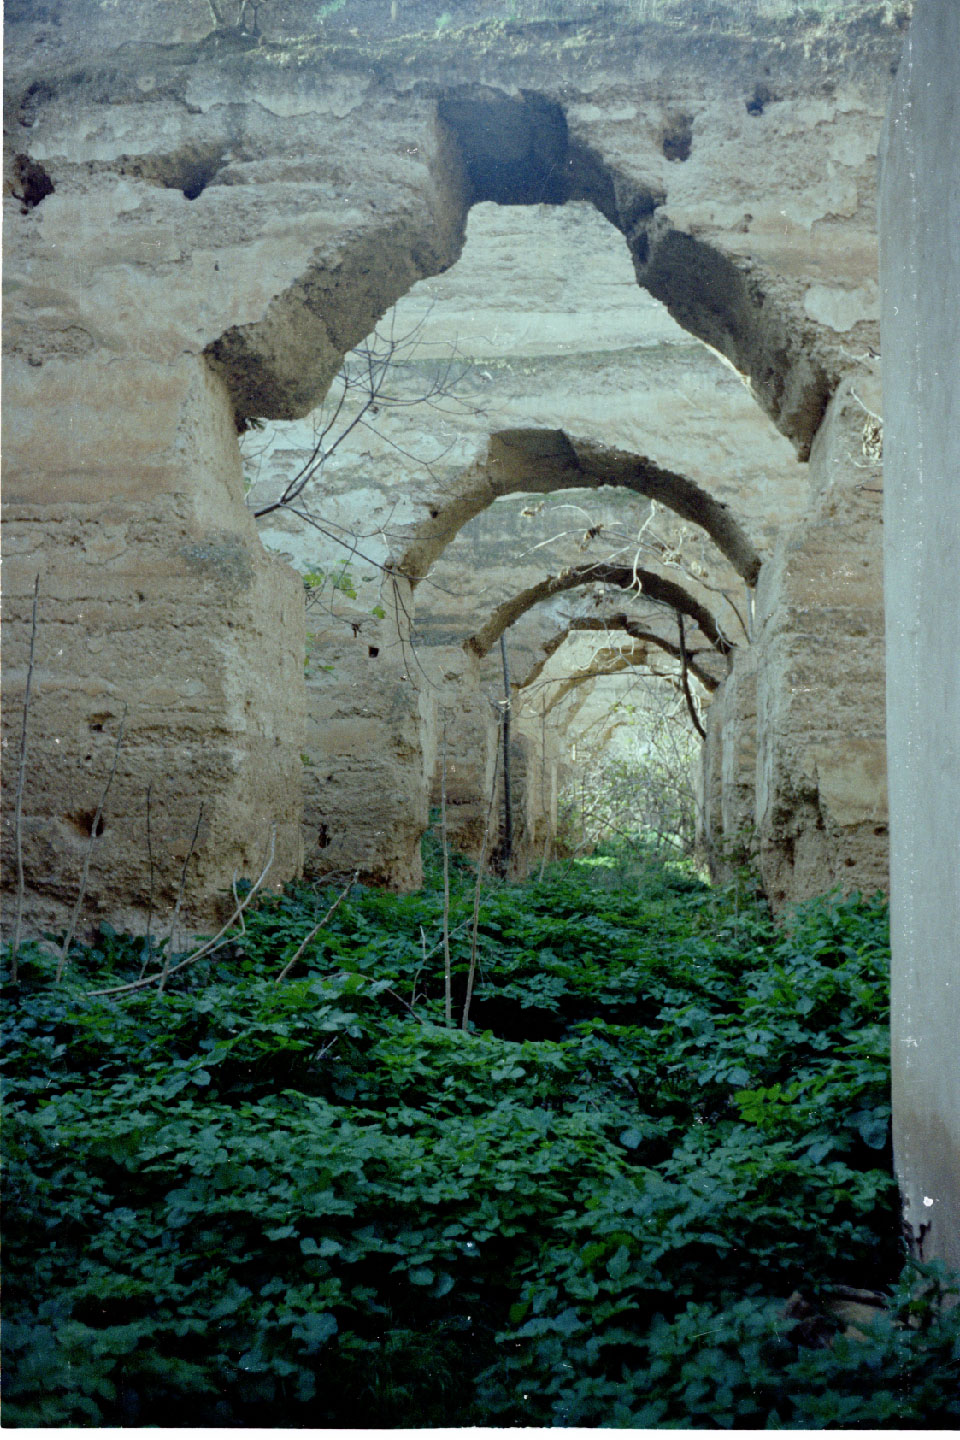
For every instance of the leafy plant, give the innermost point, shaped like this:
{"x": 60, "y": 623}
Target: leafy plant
{"x": 628, "y": 1194}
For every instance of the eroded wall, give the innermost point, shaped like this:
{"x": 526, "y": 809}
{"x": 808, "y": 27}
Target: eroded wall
{"x": 225, "y": 217}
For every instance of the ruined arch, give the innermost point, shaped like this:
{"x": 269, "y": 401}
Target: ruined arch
{"x": 518, "y": 148}
{"x": 313, "y": 258}
{"x": 646, "y": 582}
{"x": 641, "y": 634}
{"x": 605, "y": 664}
{"x": 539, "y": 462}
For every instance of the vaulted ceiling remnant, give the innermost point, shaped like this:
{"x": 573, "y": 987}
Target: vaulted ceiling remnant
{"x": 729, "y": 305}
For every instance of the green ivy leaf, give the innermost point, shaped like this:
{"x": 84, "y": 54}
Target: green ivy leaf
{"x": 314, "y": 1330}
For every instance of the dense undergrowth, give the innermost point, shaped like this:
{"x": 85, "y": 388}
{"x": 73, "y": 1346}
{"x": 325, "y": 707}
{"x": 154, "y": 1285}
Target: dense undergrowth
{"x": 629, "y": 1195}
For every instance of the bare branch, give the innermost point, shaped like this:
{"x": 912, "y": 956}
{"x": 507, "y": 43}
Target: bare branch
{"x": 319, "y": 926}
{"x": 209, "y": 947}
{"x": 94, "y": 836}
{"x": 21, "y": 774}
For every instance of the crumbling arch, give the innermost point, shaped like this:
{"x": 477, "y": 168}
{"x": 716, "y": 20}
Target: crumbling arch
{"x": 540, "y": 462}
{"x": 605, "y": 664}
{"x": 519, "y": 149}
{"x": 726, "y": 304}
{"x": 646, "y": 582}
{"x": 638, "y": 632}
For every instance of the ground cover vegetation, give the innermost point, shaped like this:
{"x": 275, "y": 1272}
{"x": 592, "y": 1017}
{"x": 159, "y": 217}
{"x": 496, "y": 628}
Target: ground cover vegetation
{"x": 632, "y": 1192}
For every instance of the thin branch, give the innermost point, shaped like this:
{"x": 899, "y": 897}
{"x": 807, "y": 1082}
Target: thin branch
{"x": 21, "y": 774}
{"x": 376, "y": 360}
{"x": 176, "y": 909}
{"x": 416, "y": 978}
{"x": 447, "y": 965}
{"x": 209, "y": 946}
{"x": 94, "y": 835}
{"x": 472, "y": 973}
{"x": 307, "y": 938}
{"x": 405, "y": 1003}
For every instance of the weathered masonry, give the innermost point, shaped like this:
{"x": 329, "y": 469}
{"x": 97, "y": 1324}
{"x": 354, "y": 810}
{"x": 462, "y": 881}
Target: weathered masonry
{"x": 201, "y": 224}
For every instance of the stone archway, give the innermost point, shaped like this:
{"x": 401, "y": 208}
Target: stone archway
{"x": 226, "y": 288}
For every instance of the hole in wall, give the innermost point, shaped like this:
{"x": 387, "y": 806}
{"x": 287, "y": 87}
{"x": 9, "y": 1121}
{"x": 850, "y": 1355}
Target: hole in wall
{"x": 373, "y": 651}
{"x": 760, "y": 100}
{"x": 514, "y": 148}
{"x": 323, "y": 838}
{"x": 82, "y": 822}
{"x": 32, "y": 183}
{"x": 97, "y": 722}
{"x": 189, "y": 170}
{"x": 677, "y": 140}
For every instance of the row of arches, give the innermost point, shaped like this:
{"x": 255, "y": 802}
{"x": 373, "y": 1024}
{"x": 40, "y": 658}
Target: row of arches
{"x": 254, "y": 330}
{"x": 522, "y": 465}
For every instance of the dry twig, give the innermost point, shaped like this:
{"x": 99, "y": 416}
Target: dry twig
{"x": 94, "y": 836}
{"x": 209, "y": 946}
{"x": 472, "y": 973}
{"x": 21, "y": 774}
{"x": 319, "y": 926}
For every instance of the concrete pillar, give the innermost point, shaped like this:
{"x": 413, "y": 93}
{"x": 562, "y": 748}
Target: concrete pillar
{"x": 920, "y": 275}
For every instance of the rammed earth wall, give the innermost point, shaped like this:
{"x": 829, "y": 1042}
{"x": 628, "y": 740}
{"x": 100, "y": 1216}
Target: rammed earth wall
{"x": 199, "y": 226}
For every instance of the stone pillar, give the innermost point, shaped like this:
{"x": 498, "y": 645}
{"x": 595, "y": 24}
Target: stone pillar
{"x": 158, "y": 609}
{"x": 467, "y": 726}
{"x": 920, "y": 275}
{"x": 821, "y": 782}
{"x": 729, "y": 798}
{"x": 369, "y": 747}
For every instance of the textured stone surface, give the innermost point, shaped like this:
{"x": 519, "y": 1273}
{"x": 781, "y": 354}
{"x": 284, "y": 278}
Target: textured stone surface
{"x": 159, "y": 610}
{"x": 821, "y": 775}
{"x": 921, "y": 341}
{"x": 199, "y": 226}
